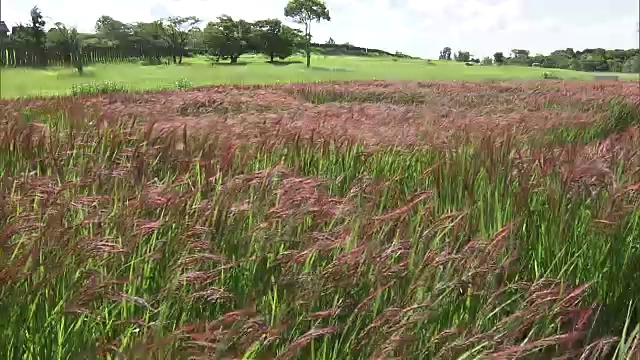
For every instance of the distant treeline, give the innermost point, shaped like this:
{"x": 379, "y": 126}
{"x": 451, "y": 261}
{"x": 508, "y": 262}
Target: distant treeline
{"x": 597, "y": 60}
{"x": 331, "y": 48}
{"x": 58, "y": 56}
{"x": 104, "y": 53}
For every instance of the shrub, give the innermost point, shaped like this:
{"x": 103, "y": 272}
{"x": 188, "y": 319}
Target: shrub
{"x": 94, "y": 88}
{"x": 183, "y": 83}
{"x": 549, "y": 76}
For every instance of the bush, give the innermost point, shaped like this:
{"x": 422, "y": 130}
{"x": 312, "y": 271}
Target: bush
{"x": 549, "y": 76}
{"x": 94, "y": 88}
{"x": 183, "y": 83}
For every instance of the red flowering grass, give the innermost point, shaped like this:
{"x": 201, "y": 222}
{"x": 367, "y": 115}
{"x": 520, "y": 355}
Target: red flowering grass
{"x": 287, "y": 234}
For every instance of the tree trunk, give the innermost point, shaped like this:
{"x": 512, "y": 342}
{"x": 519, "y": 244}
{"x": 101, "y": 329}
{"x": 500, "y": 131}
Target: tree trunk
{"x": 3, "y": 52}
{"x": 272, "y": 55}
{"x": 79, "y": 62}
{"x": 180, "y": 59}
{"x": 308, "y": 45}
{"x": 175, "y": 61}
{"x": 234, "y": 59}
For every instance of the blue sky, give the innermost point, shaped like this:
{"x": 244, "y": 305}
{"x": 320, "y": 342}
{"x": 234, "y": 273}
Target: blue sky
{"x": 416, "y": 27}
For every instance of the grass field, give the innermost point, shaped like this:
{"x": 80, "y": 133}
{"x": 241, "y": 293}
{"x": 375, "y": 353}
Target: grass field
{"x": 360, "y": 220}
{"x": 254, "y": 70}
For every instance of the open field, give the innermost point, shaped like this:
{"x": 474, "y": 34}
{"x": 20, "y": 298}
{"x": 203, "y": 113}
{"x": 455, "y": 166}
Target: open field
{"x": 254, "y": 70}
{"x": 359, "y": 220}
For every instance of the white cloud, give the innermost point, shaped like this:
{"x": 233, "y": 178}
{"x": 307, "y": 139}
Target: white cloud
{"x": 420, "y": 27}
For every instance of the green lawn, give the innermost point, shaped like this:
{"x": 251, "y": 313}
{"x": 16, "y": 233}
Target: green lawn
{"x": 51, "y": 81}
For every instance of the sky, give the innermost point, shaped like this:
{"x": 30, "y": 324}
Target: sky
{"x": 415, "y": 27}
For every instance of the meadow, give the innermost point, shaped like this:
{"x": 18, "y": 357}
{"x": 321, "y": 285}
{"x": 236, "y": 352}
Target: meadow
{"x": 198, "y": 71}
{"x": 336, "y": 220}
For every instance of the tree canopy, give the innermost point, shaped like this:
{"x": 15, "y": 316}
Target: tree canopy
{"x": 305, "y": 12}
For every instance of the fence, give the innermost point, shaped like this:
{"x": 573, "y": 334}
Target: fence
{"x": 29, "y": 57}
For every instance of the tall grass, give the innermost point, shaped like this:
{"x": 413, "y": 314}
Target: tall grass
{"x": 110, "y": 87}
{"x": 118, "y": 243}
{"x": 618, "y": 115}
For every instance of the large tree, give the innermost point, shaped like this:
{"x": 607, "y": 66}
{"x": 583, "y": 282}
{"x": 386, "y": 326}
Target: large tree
{"x": 227, "y": 38}
{"x": 305, "y": 12}
{"x": 275, "y": 39}
{"x": 37, "y": 34}
{"x": 445, "y": 54}
{"x": 4, "y": 36}
{"x": 520, "y": 57}
{"x": 113, "y": 32}
{"x": 148, "y": 38}
{"x": 68, "y": 42}
{"x": 176, "y": 32}
{"x": 632, "y": 65}
{"x": 462, "y": 56}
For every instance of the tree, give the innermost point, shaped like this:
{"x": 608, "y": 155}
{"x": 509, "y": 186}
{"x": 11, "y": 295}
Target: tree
{"x": 305, "y": 12}
{"x": 445, "y": 54}
{"x": 148, "y": 38}
{"x": 520, "y": 54}
{"x": 462, "y": 56}
{"x": 68, "y": 41}
{"x": 21, "y": 36}
{"x": 112, "y": 31}
{"x": 37, "y": 34}
{"x": 632, "y": 65}
{"x": 574, "y": 64}
{"x": 593, "y": 61}
{"x": 520, "y": 57}
{"x": 195, "y": 38}
{"x": 176, "y": 30}
{"x": 227, "y": 38}
{"x": 330, "y": 41}
{"x": 4, "y": 30}
{"x": 487, "y": 61}
{"x": 498, "y": 58}
{"x": 275, "y": 39}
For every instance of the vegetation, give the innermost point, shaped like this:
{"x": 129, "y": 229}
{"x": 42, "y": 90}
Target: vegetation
{"x": 590, "y": 60}
{"x": 255, "y": 69}
{"x": 276, "y": 39}
{"x": 306, "y": 12}
{"x": 312, "y": 220}
{"x": 176, "y": 31}
{"x": 69, "y": 42}
{"x": 388, "y": 220}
